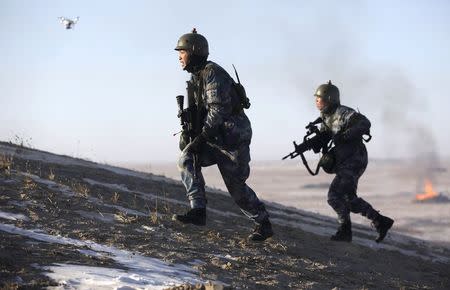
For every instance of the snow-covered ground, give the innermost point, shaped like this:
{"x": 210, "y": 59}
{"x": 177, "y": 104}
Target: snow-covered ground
{"x": 136, "y": 271}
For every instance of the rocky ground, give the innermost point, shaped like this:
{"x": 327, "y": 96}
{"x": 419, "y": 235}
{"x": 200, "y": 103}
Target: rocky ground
{"x": 67, "y": 223}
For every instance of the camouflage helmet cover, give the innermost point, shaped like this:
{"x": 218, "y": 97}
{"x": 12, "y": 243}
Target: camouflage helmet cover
{"x": 329, "y": 93}
{"x": 194, "y": 43}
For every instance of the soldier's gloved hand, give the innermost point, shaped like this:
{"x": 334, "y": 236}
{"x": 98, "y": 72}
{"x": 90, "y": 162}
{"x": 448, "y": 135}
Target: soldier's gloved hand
{"x": 184, "y": 140}
{"x": 196, "y": 144}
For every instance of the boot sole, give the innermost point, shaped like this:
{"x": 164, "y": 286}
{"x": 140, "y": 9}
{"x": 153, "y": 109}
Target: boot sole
{"x": 176, "y": 218}
{"x": 262, "y": 239}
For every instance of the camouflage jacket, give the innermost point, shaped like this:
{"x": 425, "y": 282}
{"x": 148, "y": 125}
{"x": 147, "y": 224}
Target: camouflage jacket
{"x": 224, "y": 123}
{"x": 344, "y": 121}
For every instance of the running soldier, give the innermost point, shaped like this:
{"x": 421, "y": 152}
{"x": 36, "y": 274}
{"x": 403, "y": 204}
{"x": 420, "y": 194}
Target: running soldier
{"x": 223, "y": 137}
{"x": 348, "y": 160}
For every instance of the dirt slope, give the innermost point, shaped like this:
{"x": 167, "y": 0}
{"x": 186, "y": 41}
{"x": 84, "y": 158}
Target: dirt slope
{"x": 74, "y": 224}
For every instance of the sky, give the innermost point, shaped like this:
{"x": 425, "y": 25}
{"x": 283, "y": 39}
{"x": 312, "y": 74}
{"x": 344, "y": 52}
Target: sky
{"x": 106, "y": 90}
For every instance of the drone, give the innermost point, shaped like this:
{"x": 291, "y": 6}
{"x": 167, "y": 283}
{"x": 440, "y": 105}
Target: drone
{"x": 68, "y": 23}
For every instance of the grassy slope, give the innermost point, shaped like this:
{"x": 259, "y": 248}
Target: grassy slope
{"x": 97, "y": 211}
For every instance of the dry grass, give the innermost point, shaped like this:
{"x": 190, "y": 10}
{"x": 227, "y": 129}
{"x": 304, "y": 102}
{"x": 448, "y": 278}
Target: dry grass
{"x": 33, "y": 215}
{"x": 80, "y": 189}
{"x": 29, "y": 184}
{"x": 165, "y": 207}
{"x": 9, "y": 286}
{"x": 6, "y": 162}
{"x": 115, "y": 197}
{"x": 154, "y": 214}
{"x": 124, "y": 218}
{"x": 154, "y": 217}
{"x": 51, "y": 199}
{"x": 51, "y": 175}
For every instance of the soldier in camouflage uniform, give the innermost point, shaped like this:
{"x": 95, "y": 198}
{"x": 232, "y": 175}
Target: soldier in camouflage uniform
{"x": 224, "y": 139}
{"x": 346, "y": 128}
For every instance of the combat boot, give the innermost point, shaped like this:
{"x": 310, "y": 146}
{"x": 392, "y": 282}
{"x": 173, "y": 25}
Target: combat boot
{"x": 195, "y": 216}
{"x": 382, "y": 225}
{"x": 343, "y": 234}
{"x": 262, "y": 231}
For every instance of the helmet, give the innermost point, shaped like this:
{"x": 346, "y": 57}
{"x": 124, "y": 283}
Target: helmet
{"x": 194, "y": 43}
{"x": 329, "y": 93}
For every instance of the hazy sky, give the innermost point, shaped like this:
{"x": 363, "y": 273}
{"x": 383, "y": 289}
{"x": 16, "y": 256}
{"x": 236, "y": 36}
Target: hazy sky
{"x": 106, "y": 90}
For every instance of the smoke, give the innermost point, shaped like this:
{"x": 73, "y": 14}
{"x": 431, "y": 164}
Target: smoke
{"x": 382, "y": 91}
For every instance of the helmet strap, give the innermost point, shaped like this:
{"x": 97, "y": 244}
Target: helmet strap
{"x": 330, "y": 108}
{"x": 196, "y": 63}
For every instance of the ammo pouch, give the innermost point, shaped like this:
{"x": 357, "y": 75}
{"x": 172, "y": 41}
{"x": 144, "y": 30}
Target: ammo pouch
{"x": 328, "y": 161}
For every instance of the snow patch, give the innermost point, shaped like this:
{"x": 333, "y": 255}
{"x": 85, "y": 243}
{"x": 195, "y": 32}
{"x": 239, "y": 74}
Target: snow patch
{"x": 91, "y": 253}
{"x": 142, "y": 272}
{"x": 103, "y": 217}
{"x": 79, "y": 277}
{"x": 151, "y": 229}
{"x": 13, "y": 216}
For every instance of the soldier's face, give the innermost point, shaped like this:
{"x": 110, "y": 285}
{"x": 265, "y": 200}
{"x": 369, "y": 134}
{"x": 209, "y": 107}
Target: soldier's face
{"x": 320, "y": 103}
{"x": 183, "y": 57}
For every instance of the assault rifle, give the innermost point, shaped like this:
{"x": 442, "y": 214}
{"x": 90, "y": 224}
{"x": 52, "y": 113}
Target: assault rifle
{"x": 318, "y": 142}
{"x": 189, "y": 117}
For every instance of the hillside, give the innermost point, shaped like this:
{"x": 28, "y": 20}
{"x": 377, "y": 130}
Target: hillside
{"x": 74, "y": 224}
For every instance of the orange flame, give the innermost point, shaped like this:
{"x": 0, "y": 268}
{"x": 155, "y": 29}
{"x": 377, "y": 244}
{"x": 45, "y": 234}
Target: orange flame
{"x": 429, "y": 191}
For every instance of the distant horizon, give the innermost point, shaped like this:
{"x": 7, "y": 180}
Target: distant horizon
{"x": 165, "y": 162}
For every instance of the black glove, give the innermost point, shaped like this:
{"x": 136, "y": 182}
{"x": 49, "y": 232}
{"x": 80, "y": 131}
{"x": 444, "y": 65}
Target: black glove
{"x": 184, "y": 140}
{"x": 196, "y": 144}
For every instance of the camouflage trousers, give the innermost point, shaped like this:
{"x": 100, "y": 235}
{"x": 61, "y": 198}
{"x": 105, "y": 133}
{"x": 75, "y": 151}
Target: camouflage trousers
{"x": 342, "y": 195}
{"x": 234, "y": 168}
